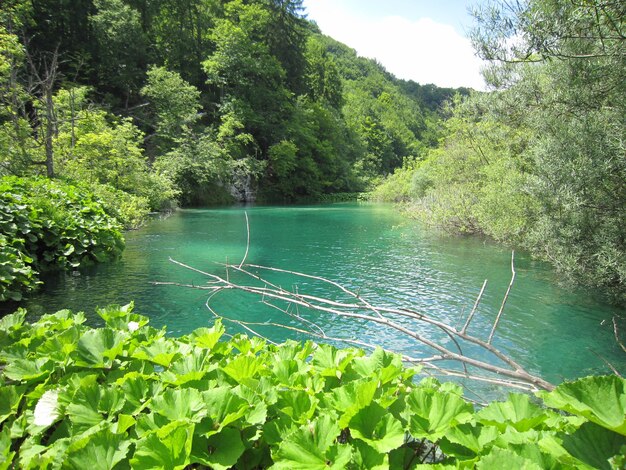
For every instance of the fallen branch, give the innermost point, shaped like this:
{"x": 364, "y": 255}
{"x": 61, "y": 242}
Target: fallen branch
{"x": 482, "y": 362}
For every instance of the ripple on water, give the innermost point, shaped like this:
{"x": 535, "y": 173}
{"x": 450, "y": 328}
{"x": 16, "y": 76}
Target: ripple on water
{"x": 555, "y": 331}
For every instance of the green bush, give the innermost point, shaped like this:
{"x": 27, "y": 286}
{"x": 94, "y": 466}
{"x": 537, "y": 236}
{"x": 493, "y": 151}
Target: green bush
{"x": 48, "y": 225}
{"x": 126, "y": 395}
{"x": 398, "y": 186}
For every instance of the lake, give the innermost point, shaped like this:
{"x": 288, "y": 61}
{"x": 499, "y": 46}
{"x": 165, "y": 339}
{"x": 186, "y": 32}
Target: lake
{"x": 552, "y": 330}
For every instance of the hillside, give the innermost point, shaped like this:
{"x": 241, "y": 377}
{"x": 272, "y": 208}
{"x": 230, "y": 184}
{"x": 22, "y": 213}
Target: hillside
{"x": 200, "y": 101}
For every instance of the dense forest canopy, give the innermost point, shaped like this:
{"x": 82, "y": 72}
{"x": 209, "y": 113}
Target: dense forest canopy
{"x": 200, "y": 101}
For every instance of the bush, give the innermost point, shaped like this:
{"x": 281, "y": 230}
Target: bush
{"x": 126, "y": 395}
{"x": 47, "y": 225}
{"x": 397, "y": 187}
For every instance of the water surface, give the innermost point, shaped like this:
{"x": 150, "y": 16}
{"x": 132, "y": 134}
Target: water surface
{"x": 555, "y": 331}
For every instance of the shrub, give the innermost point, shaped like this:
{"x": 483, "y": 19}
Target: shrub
{"x": 47, "y": 225}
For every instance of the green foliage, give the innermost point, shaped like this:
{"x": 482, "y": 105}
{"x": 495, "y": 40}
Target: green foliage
{"x": 190, "y": 100}
{"x": 120, "y": 44}
{"x": 538, "y": 162}
{"x": 398, "y": 186}
{"x": 16, "y": 272}
{"x": 174, "y": 101}
{"x": 96, "y": 148}
{"x": 49, "y": 225}
{"x": 126, "y": 395}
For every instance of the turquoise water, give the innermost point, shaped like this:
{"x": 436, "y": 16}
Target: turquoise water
{"x": 554, "y": 331}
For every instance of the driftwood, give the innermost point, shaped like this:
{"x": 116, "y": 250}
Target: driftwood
{"x": 485, "y": 364}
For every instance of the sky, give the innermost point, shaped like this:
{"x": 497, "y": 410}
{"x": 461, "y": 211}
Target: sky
{"x": 420, "y": 40}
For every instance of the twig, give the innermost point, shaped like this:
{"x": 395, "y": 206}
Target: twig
{"x": 610, "y": 366}
{"x": 506, "y": 296}
{"x": 471, "y": 315}
{"x": 247, "y": 242}
{"x": 615, "y": 332}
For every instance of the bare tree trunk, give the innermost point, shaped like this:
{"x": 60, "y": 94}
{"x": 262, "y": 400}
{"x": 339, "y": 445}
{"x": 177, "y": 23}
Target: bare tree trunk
{"x": 50, "y": 131}
{"x": 44, "y": 77}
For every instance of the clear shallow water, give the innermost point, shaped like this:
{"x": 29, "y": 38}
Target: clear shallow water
{"x": 556, "y": 332}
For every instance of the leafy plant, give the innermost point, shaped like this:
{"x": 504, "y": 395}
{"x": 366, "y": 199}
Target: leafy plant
{"x": 47, "y": 225}
{"x": 125, "y": 395}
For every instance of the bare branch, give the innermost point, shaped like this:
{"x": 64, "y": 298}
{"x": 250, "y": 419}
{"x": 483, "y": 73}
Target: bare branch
{"x": 615, "y": 332}
{"x": 359, "y": 309}
{"x": 471, "y": 315}
{"x": 247, "y": 242}
{"x": 506, "y": 296}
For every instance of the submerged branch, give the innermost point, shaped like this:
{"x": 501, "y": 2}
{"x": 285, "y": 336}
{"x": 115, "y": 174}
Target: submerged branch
{"x": 510, "y": 373}
{"x": 482, "y": 362}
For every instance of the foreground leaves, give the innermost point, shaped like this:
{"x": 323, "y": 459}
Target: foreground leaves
{"x": 126, "y": 395}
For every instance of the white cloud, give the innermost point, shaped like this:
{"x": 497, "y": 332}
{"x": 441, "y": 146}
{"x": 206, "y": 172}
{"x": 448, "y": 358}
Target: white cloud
{"x": 423, "y": 50}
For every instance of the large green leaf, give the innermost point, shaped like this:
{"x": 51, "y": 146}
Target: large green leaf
{"x": 136, "y": 391}
{"x": 351, "y": 398}
{"x": 89, "y": 403}
{"x": 98, "y": 348}
{"x": 10, "y": 398}
{"x": 378, "y": 428}
{"x": 161, "y": 351}
{"x": 99, "y": 451}
{"x": 599, "y": 399}
{"x": 60, "y": 346}
{"x": 330, "y": 361}
{"x": 311, "y": 448}
{"x": 433, "y": 412}
{"x": 505, "y": 458}
{"x": 465, "y": 441}
{"x": 13, "y": 321}
{"x": 122, "y": 318}
{"x": 219, "y": 451}
{"x": 6, "y": 454}
{"x": 168, "y": 448}
{"x": 28, "y": 370}
{"x": 288, "y": 371}
{"x": 367, "y": 458}
{"x": 59, "y": 321}
{"x": 594, "y": 445}
{"x": 380, "y": 364}
{"x": 517, "y": 412}
{"x": 257, "y": 401}
{"x": 243, "y": 367}
{"x": 188, "y": 368}
{"x": 178, "y": 404}
{"x": 297, "y": 404}
{"x": 208, "y": 337}
{"x": 224, "y": 407}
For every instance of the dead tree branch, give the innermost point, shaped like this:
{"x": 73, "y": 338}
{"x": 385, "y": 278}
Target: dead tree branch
{"x": 500, "y": 369}
{"x": 481, "y": 361}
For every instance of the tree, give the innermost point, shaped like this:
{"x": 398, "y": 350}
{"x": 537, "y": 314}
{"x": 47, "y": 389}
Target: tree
{"x": 286, "y": 36}
{"x": 322, "y": 76}
{"x": 249, "y": 78}
{"x": 180, "y": 33}
{"x": 95, "y": 147}
{"x": 562, "y": 66}
{"x": 121, "y": 46}
{"x": 174, "y": 103}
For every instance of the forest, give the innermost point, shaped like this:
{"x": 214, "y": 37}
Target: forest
{"x": 151, "y": 105}
{"x": 113, "y": 110}
{"x": 200, "y": 102}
